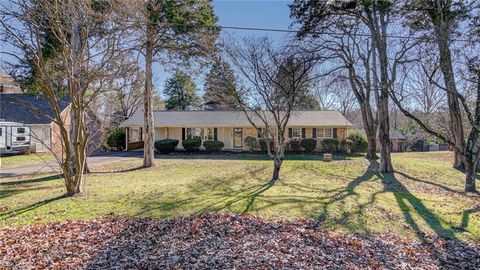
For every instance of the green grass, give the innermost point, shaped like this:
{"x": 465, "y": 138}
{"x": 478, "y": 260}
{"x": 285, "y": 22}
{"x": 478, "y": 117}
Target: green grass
{"x": 347, "y": 195}
{"x": 18, "y": 160}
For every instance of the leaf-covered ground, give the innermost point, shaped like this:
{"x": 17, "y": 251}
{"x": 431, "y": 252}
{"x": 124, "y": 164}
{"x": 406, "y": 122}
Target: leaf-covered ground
{"x": 221, "y": 241}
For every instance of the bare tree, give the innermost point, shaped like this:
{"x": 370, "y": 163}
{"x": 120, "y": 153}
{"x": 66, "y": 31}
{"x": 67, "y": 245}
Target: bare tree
{"x": 352, "y": 60}
{"x": 274, "y": 82}
{"x": 86, "y": 40}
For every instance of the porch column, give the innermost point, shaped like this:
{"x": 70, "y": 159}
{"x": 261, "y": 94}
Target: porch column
{"x": 127, "y": 130}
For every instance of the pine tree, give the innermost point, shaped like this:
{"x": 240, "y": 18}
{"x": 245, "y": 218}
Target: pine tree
{"x": 181, "y": 92}
{"x": 218, "y": 83}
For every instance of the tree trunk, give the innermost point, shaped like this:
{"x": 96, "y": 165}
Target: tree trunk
{"x": 372, "y": 146}
{"x": 442, "y": 32}
{"x": 78, "y": 136}
{"x": 379, "y": 35}
{"x": 384, "y": 136}
{"x": 277, "y": 163}
{"x": 148, "y": 154}
{"x": 470, "y": 173}
{"x": 73, "y": 188}
{"x": 369, "y": 123}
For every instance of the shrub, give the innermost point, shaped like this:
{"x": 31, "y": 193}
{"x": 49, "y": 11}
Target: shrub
{"x": 192, "y": 144}
{"x": 263, "y": 145}
{"x": 330, "y": 145}
{"x": 166, "y": 146}
{"x": 308, "y": 144}
{"x": 251, "y": 143}
{"x": 294, "y": 144}
{"x": 116, "y": 138}
{"x": 213, "y": 146}
{"x": 346, "y": 146}
{"x": 358, "y": 141}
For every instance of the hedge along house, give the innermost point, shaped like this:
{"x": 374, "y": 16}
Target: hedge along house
{"x": 232, "y": 127}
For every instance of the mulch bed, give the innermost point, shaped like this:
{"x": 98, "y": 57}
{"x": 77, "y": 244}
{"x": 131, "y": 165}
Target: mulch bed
{"x": 219, "y": 241}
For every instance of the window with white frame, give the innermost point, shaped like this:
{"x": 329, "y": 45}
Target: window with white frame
{"x": 296, "y": 132}
{"x": 328, "y": 133}
{"x": 194, "y": 133}
{"x": 208, "y": 134}
{"x": 263, "y": 132}
{"x": 20, "y": 130}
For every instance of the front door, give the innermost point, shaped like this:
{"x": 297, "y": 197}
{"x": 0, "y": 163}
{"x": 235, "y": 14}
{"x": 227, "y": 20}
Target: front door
{"x": 237, "y": 137}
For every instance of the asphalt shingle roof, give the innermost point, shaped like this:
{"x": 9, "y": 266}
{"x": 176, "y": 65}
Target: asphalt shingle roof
{"x": 28, "y": 109}
{"x": 234, "y": 119}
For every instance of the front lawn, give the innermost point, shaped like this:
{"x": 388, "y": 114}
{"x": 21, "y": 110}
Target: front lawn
{"x": 346, "y": 195}
{"x": 18, "y": 160}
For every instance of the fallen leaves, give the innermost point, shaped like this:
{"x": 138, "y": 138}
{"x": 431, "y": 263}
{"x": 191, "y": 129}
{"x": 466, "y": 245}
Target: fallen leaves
{"x": 220, "y": 241}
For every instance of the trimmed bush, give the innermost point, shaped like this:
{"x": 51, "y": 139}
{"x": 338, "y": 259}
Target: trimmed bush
{"x": 330, "y": 145}
{"x": 213, "y": 146}
{"x": 116, "y": 138}
{"x": 358, "y": 141}
{"x": 308, "y": 144}
{"x": 251, "y": 143}
{"x": 166, "y": 146}
{"x": 263, "y": 145}
{"x": 294, "y": 144}
{"x": 192, "y": 144}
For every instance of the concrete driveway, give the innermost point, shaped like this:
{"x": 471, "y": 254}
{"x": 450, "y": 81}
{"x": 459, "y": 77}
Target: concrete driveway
{"x": 52, "y": 166}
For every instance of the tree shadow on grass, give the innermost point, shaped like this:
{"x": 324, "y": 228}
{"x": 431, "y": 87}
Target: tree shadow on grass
{"x": 11, "y": 188}
{"x": 18, "y": 211}
{"x": 31, "y": 181}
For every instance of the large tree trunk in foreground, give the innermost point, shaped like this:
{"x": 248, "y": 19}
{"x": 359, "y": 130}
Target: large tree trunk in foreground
{"x": 384, "y": 136}
{"x": 470, "y": 173}
{"x": 372, "y": 146}
{"x": 148, "y": 155}
{"x": 442, "y": 34}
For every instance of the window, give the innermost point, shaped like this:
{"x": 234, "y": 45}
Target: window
{"x": 296, "y": 132}
{"x": 20, "y": 139}
{"x": 20, "y": 130}
{"x": 194, "y": 133}
{"x": 1, "y": 132}
{"x": 237, "y": 137}
{"x": 328, "y": 133}
{"x": 209, "y": 134}
{"x": 262, "y": 133}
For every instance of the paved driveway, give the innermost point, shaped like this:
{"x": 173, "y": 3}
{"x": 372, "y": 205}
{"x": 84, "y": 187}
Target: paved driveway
{"x": 52, "y": 166}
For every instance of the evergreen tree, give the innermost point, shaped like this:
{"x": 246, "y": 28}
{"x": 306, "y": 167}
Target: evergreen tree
{"x": 218, "y": 83}
{"x": 181, "y": 94}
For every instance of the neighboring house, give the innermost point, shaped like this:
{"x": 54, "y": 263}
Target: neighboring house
{"x": 33, "y": 116}
{"x": 231, "y": 127}
{"x": 7, "y": 84}
{"x": 397, "y": 141}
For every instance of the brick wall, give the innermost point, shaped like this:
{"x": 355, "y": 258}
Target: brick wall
{"x": 341, "y": 133}
{"x": 250, "y": 132}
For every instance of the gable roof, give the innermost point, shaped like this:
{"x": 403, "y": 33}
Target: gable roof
{"x": 395, "y": 134}
{"x": 28, "y": 109}
{"x": 234, "y": 119}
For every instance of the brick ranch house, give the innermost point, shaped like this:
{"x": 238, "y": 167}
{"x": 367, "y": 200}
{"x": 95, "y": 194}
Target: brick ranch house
{"x": 232, "y": 127}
